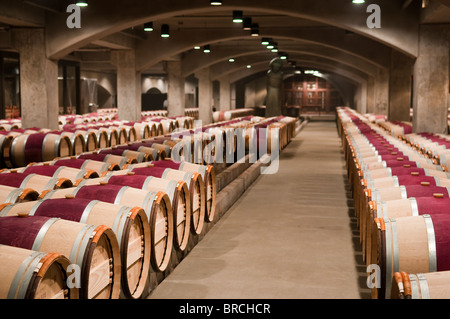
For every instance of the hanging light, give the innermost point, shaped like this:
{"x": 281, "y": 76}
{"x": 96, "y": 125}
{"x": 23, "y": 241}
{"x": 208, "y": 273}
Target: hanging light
{"x": 207, "y": 49}
{"x": 237, "y": 16}
{"x": 255, "y": 30}
{"x": 197, "y": 47}
{"x": 165, "y": 31}
{"x": 265, "y": 41}
{"x": 247, "y": 24}
{"x": 231, "y": 60}
{"x": 271, "y": 45}
{"x": 148, "y": 26}
{"x": 249, "y": 66}
{"x": 82, "y": 3}
{"x": 215, "y": 3}
{"x": 283, "y": 55}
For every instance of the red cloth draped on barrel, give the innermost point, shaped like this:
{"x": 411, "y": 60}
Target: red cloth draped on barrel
{"x": 135, "y": 181}
{"x": 432, "y": 206}
{"x": 149, "y": 171}
{"x": 425, "y": 191}
{"x": 46, "y": 170}
{"x": 20, "y": 231}
{"x": 68, "y": 209}
{"x": 12, "y": 179}
{"x": 397, "y": 171}
{"x": 416, "y": 180}
{"x": 167, "y": 164}
{"x": 73, "y": 162}
{"x": 94, "y": 157}
{"x": 33, "y": 147}
{"x": 441, "y": 224}
{"x": 104, "y": 193}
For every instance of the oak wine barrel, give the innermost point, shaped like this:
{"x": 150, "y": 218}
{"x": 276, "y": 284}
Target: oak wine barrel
{"x": 29, "y": 274}
{"x": 93, "y": 250}
{"x": 429, "y": 285}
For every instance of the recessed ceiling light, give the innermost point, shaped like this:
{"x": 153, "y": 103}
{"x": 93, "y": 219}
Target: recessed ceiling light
{"x": 358, "y": 1}
{"x": 215, "y": 3}
{"x": 82, "y": 3}
{"x": 231, "y": 60}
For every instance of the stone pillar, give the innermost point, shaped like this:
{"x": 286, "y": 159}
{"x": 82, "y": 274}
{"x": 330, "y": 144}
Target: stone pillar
{"x": 204, "y": 96}
{"x": 381, "y": 104}
{"x": 225, "y": 94}
{"x": 431, "y": 80}
{"x": 370, "y": 95}
{"x": 175, "y": 88}
{"x": 400, "y": 83}
{"x": 128, "y": 85}
{"x": 38, "y": 80}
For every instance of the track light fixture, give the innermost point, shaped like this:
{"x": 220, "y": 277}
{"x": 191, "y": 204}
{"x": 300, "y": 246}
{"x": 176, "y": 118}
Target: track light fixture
{"x": 148, "y": 26}
{"x": 165, "y": 31}
{"x": 237, "y": 16}
{"x": 82, "y": 3}
{"x": 247, "y": 24}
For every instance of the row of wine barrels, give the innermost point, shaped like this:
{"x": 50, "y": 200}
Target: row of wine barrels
{"x": 194, "y": 182}
{"x": 393, "y": 182}
{"x": 9, "y": 194}
{"x": 156, "y": 205}
{"x": 39, "y": 147}
{"x": 129, "y": 224}
{"x": 93, "y": 251}
{"x": 73, "y": 174}
{"x": 428, "y": 285}
{"x": 37, "y": 182}
{"x": 29, "y": 274}
{"x": 177, "y": 192}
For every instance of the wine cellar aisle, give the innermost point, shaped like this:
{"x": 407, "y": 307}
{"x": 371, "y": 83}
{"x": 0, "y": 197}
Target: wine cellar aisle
{"x": 291, "y": 234}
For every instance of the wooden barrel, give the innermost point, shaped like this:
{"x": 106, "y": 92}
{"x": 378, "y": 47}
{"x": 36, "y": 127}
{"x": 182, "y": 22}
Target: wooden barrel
{"x": 195, "y": 185}
{"x": 84, "y": 164}
{"x": 73, "y": 174}
{"x": 156, "y": 205}
{"x": 413, "y": 244}
{"x": 121, "y": 161}
{"x": 429, "y": 285}
{"x": 28, "y": 274}
{"x": 129, "y": 224}
{"x": 77, "y": 140}
{"x": 177, "y": 191}
{"x": 207, "y": 173}
{"x": 93, "y": 250}
{"x": 5, "y": 147}
{"x": 37, "y": 182}
{"x": 13, "y": 195}
{"x": 39, "y": 147}
{"x": 132, "y": 156}
{"x": 151, "y": 154}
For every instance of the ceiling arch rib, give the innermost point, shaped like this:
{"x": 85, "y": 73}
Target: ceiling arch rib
{"x": 104, "y": 18}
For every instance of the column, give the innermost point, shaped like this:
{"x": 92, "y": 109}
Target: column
{"x": 225, "y": 93}
{"x": 204, "y": 96}
{"x": 381, "y": 103}
{"x": 128, "y": 85}
{"x": 431, "y": 80}
{"x": 38, "y": 80}
{"x": 400, "y": 83}
{"x": 175, "y": 88}
{"x": 370, "y": 108}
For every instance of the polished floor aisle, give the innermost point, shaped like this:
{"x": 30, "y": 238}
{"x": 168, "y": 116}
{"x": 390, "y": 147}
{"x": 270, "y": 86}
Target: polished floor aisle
{"x": 292, "y": 235}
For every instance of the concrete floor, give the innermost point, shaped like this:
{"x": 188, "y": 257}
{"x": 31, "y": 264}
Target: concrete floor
{"x": 292, "y": 235}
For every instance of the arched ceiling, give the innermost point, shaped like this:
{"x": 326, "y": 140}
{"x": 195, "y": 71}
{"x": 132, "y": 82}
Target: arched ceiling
{"x": 330, "y": 34}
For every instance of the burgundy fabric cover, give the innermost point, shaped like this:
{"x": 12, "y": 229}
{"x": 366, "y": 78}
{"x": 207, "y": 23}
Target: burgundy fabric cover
{"x": 149, "y": 171}
{"x": 396, "y": 171}
{"x": 94, "y": 157}
{"x": 47, "y": 170}
{"x": 12, "y": 179}
{"x": 416, "y": 180}
{"x": 425, "y": 191}
{"x": 64, "y": 208}
{"x": 74, "y": 163}
{"x": 20, "y": 231}
{"x": 136, "y": 181}
{"x": 33, "y": 147}
{"x": 105, "y": 193}
{"x": 395, "y": 163}
{"x": 166, "y": 164}
{"x": 441, "y": 224}
{"x": 117, "y": 151}
{"x": 433, "y": 205}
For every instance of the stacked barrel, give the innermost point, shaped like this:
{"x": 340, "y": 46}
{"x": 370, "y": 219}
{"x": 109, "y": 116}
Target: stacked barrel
{"x": 402, "y": 205}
